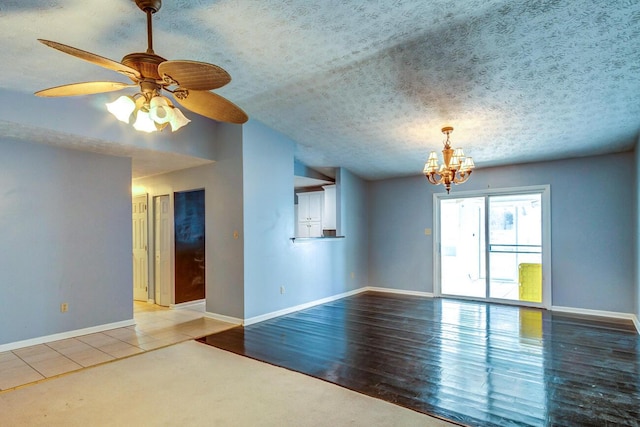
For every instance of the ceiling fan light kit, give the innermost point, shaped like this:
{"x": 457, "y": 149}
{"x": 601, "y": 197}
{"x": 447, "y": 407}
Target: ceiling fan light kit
{"x": 122, "y": 108}
{"x": 189, "y": 82}
{"x": 456, "y": 168}
{"x": 150, "y": 116}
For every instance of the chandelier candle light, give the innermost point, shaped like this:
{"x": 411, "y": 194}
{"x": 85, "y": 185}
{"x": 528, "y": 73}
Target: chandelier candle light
{"x": 456, "y": 168}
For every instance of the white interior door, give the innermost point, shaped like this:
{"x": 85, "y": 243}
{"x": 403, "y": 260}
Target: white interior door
{"x": 162, "y": 233}
{"x": 140, "y": 254}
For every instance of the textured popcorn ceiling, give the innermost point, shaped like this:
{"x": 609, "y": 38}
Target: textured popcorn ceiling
{"x": 368, "y": 85}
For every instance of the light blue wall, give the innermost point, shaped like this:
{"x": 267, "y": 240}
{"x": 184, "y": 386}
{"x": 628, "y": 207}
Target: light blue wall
{"x": 400, "y": 255}
{"x": 353, "y": 223}
{"x": 225, "y": 284}
{"x": 65, "y": 220}
{"x": 308, "y": 270}
{"x": 592, "y": 227}
{"x": 268, "y": 220}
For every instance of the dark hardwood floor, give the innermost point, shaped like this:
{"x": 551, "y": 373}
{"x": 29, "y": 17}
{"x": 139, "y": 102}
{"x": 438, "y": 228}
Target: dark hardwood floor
{"x": 468, "y": 362}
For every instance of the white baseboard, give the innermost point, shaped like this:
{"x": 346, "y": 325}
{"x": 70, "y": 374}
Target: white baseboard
{"x": 223, "y": 318}
{"x": 273, "y": 314}
{"x": 278, "y": 313}
{"x": 196, "y": 305}
{"x": 65, "y": 335}
{"x": 400, "y": 291}
{"x": 599, "y": 313}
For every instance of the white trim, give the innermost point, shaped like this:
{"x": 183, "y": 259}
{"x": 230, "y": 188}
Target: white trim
{"x": 494, "y": 191}
{"x": 435, "y": 208}
{"x": 65, "y": 335}
{"x": 196, "y": 305}
{"x": 599, "y": 313}
{"x": 285, "y": 311}
{"x": 547, "y": 286}
{"x": 515, "y": 303}
{"x": 636, "y": 322}
{"x": 223, "y": 318}
{"x": 273, "y": 314}
{"x": 399, "y": 291}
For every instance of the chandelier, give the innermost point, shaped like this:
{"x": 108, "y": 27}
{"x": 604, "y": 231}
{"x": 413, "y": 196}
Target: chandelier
{"x": 456, "y": 167}
{"x": 152, "y": 112}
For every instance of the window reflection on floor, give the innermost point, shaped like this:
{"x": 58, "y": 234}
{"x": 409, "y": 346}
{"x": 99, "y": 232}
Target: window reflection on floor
{"x": 485, "y": 335}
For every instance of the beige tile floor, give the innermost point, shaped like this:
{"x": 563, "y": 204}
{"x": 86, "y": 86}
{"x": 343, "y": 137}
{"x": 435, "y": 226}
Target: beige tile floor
{"x": 155, "y": 327}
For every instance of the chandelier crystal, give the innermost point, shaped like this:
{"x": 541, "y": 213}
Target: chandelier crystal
{"x": 456, "y": 168}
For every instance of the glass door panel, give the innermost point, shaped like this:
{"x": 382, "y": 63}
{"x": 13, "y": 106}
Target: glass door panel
{"x": 462, "y": 247}
{"x": 515, "y": 247}
{"x": 491, "y": 247}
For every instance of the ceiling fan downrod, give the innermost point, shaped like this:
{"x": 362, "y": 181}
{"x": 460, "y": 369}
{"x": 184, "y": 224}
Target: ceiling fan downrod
{"x": 149, "y": 7}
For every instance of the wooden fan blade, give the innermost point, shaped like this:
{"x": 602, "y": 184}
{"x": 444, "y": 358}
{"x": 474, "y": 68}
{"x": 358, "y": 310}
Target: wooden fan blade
{"x": 194, "y": 75}
{"x": 210, "y": 105}
{"x": 94, "y": 59}
{"x": 87, "y": 88}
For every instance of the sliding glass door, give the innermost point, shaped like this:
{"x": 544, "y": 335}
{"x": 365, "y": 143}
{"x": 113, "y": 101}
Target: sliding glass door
{"x": 462, "y": 247}
{"x": 515, "y": 247}
{"x": 490, "y": 246}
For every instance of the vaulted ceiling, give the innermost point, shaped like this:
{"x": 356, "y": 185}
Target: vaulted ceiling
{"x": 368, "y": 85}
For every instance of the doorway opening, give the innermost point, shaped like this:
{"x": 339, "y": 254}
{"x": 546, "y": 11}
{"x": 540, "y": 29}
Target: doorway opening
{"x": 494, "y": 246}
{"x": 169, "y": 248}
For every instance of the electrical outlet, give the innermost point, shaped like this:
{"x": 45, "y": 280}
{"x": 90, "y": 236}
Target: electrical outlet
{"x": 64, "y": 307}
{"x": 282, "y": 289}
{"x": 353, "y": 275}
{"x": 427, "y": 232}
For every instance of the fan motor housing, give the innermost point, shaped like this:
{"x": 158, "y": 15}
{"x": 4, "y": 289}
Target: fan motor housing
{"x": 145, "y": 63}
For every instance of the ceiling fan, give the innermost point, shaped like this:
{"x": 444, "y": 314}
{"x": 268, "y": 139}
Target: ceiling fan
{"x": 189, "y": 82}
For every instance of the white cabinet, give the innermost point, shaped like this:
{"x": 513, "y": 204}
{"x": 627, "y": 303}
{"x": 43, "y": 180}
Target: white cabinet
{"x": 310, "y": 206}
{"x": 309, "y": 229}
{"x": 329, "y": 211}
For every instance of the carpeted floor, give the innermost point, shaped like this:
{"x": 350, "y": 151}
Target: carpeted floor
{"x": 192, "y": 384}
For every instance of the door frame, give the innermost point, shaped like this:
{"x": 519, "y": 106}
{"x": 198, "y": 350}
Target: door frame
{"x": 545, "y": 191}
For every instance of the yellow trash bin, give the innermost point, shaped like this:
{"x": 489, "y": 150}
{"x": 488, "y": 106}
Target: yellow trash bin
{"x": 530, "y": 281}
